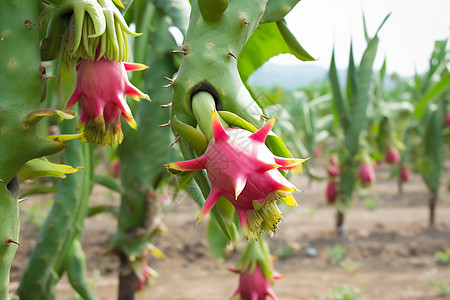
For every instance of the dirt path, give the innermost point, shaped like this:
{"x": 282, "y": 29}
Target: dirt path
{"x": 392, "y": 243}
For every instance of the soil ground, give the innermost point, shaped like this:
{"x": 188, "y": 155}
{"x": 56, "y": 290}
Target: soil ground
{"x": 392, "y": 245}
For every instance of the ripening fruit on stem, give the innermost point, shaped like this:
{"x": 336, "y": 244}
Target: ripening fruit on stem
{"x": 241, "y": 168}
{"x": 253, "y": 285}
{"x": 331, "y": 192}
{"x": 101, "y": 88}
{"x": 366, "y": 174}
{"x": 392, "y": 156}
{"x": 404, "y": 174}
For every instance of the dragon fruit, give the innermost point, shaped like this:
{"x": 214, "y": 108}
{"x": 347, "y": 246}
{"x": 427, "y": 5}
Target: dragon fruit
{"x": 253, "y": 285}
{"x": 331, "y": 192}
{"x": 333, "y": 170}
{"x": 392, "y": 156}
{"x": 333, "y": 160}
{"x": 366, "y": 174}
{"x": 101, "y": 88}
{"x": 241, "y": 168}
{"x": 404, "y": 174}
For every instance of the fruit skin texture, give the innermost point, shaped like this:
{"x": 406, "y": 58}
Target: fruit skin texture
{"x": 253, "y": 285}
{"x": 366, "y": 174}
{"x": 101, "y": 88}
{"x": 242, "y": 169}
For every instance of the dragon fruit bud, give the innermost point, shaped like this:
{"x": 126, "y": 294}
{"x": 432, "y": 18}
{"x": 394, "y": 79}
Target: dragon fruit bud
{"x": 404, "y": 174}
{"x": 392, "y": 156}
{"x": 331, "y": 192}
{"x": 253, "y": 285}
{"x": 101, "y": 88}
{"x": 333, "y": 171}
{"x": 366, "y": 174}
{"x": 241, "y": 168}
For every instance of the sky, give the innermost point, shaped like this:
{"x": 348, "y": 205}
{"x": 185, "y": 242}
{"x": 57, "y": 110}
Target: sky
{"x": 406, "y": 39}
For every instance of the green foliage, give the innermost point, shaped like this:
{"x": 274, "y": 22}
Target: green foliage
{"x": 371, "y": 203}
{"x": 442, "y": 286}
{"x": 351, "y": 112}
{"x": 256, "y": 51}
{"x": 337, "y": 253}
{"x": 344, "y": 292}
{"x": 350, "y": 267}
{"x": 442, "y": 256}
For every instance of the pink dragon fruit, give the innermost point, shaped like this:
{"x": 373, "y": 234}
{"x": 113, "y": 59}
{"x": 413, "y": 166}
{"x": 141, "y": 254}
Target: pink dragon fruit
{"x": 253, "y": 285}
{"x": 392, "y": 156}
{"x": 333, "y": 160}
{"x": 241, "y": 168}
{"x": 333, "y": 170}
{"x": 366, "y": 174}
{"x": 101, "y": 88}
{"x": 331, "y": 192}
{"x": 404, "y": 174}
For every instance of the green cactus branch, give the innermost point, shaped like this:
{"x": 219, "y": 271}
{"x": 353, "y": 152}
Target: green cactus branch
{"x": 58, "y": 249}
{"x": 21, "y": 88}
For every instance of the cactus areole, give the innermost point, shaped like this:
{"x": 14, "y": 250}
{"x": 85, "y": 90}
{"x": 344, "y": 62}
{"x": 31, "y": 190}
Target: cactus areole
{"x": 241, "y": 168}
{"x": 101, "y": 88}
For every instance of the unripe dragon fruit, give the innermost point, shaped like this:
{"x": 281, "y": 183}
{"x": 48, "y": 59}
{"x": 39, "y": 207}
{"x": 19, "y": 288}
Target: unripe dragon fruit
{"x": 253, "y": 285}
{"x": 392, "y": 156}
{"x": 331, "y": 192}
{"x": 241, "y": 168}
{"x": 366, "y": 174}
{"x": 101, "y": 88}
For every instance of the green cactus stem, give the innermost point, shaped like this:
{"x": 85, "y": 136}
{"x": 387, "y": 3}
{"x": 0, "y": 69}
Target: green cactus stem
{"x": 351, "y": 113}
{"x": 143, "y": 152}
{"x": 212, "y": 10}
{"x": 21, "y": 87}
{"x": 58, "y": 248}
